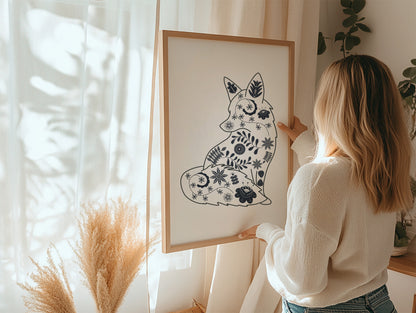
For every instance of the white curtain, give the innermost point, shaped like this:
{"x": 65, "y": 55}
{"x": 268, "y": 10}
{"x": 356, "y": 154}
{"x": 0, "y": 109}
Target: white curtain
{"x": 75, "y": 94}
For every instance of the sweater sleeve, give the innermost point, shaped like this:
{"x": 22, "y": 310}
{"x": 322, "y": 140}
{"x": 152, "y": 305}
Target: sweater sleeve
{"x": 297, "y": 258}
{"x": 304, "y": 146}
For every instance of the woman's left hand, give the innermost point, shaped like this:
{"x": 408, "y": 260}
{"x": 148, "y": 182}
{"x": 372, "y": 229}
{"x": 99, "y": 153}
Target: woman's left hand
{"x": 249, "y": 233}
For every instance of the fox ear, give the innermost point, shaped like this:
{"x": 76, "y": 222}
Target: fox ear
{"x": 231, "y": 87}
{"x": 255, "y": 88}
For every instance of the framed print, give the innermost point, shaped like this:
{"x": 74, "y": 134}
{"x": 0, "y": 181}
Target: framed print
{"x": 225, "y": 164}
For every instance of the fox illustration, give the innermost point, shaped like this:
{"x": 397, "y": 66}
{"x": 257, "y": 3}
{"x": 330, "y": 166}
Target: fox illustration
{"x": 234, "y": 171}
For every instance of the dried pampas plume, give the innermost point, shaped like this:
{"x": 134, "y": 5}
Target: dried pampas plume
{"x": 50, "y": 291}
{"x": 110, "y": 251}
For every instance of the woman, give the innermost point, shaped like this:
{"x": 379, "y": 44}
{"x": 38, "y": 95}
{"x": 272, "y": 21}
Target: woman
{"x": 334, "y": 251}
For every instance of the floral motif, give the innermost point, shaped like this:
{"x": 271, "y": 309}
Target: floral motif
{"x": 256, "y": 164}
{"x": 263, "y": 114}
{"x": 239, "y": 148}
{"x": 244, "y": 194}
{"x": 228, "y": 197}
{"x": 229, "y": 125}
{"x": 219, "y": 176}
{"x": 267, "y": 143}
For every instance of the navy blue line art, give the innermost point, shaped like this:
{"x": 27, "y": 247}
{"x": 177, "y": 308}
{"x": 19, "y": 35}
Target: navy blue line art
{"x": 234, "y": 171}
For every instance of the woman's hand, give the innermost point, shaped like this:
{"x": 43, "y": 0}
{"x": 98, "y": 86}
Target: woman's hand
{"x": 248, "y": 233}
{"x": 293, "y": 133}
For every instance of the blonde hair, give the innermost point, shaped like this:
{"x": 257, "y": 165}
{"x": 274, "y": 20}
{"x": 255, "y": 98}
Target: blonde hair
{"x": 358, "y": 114}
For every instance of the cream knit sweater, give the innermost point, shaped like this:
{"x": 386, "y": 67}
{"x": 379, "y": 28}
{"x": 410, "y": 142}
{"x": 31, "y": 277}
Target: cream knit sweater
{"x": 333, "y": 248}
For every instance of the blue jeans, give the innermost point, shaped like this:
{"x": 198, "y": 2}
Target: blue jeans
{"x": 377, "y": 301}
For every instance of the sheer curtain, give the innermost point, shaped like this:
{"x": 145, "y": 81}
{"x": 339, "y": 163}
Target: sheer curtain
{"x": 75, "y": 94}
{"x": 74, "y": 107}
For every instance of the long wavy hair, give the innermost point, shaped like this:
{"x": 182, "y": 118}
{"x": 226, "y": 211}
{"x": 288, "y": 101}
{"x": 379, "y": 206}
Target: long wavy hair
{"x": 358, "y": 114}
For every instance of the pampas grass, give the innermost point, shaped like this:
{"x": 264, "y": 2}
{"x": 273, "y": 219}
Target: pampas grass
{"x": 50, "y": 291}
{"x": 110, "y": 251}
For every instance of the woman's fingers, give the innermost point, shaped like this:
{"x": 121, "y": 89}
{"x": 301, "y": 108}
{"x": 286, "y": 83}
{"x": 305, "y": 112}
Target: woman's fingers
{"x": 293, "y": 133}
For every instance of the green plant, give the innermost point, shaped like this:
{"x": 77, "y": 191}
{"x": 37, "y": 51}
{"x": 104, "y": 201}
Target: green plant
{"x": 407, "y": 88}
{"x": 353, "y": 23}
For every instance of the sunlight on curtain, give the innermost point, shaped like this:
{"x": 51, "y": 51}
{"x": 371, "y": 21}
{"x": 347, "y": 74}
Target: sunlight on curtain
{"x": 75, "y": 88}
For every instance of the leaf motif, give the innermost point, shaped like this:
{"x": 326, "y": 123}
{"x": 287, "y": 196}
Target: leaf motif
{"x": 232, "y": 88}
{"x": 255, "y": 89}
{"x": 413, "y": 61}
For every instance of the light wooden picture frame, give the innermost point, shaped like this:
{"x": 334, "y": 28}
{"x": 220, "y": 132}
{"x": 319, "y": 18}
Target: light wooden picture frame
{"x": 225, "y": 165}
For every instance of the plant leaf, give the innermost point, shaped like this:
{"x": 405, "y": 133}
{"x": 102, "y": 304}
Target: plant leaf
{"x": 409, "y": 72}
{"x": 346, "y": 3}
{"x": 349, "y": 21}
{"x": 351, "y": 41}
{"x": 406, "y": 89}
{"x": 339, "y": 36}
{"x": 348, "y": 11}
{"x": 353, "y": 29}
{"x": 358, "y": 5}
{"x": 364, "y": 27}
{"x": 321, "y": 44}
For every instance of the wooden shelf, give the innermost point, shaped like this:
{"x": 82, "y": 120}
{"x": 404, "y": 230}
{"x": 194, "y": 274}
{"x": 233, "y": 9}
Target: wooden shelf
{"x": 405, "y": 264}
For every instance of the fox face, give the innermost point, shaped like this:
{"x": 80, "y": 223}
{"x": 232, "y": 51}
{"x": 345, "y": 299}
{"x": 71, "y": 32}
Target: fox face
{"x": 247, "y": 108}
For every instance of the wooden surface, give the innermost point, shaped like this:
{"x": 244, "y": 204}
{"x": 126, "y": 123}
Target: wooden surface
{"x": 414, "y": 304}
{"x": 405, "y": 264}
